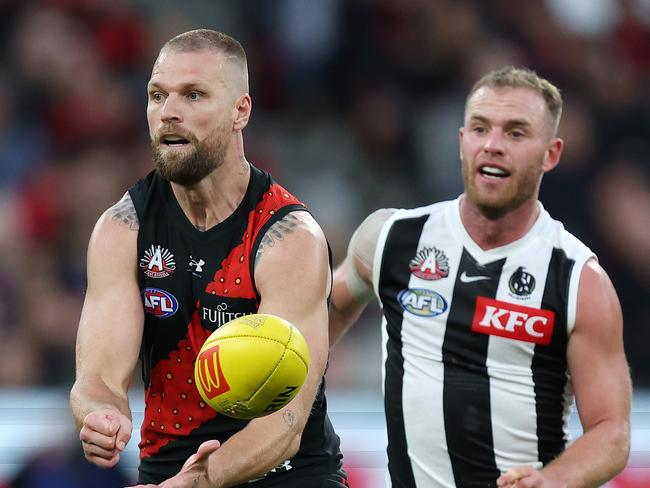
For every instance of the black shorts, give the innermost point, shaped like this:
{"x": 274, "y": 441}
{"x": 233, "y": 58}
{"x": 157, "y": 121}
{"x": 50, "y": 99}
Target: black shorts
{"x": 304, "y": 479}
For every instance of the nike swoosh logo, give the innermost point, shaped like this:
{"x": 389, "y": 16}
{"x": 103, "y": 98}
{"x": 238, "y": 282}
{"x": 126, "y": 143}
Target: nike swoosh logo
{"x": 470, "y": 279}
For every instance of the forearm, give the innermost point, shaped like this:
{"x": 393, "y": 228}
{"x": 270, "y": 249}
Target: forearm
{"x": 89, "y": 395}
{"x": 594, "y": 458}
{"x": 340, "y": 320}
{"x": 346, "y": 306}
{"x": 257, "y": 449}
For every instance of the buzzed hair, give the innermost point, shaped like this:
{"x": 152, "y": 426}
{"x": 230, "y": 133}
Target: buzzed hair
{"x": 207, "y": 39}
{"x": 524, "y": 78}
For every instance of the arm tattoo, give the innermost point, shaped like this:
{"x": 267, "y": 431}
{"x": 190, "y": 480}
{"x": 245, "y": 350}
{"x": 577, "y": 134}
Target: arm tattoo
{"x": 286, "y": 225}
{"x": 124, "y": 212}
{"x": 289, "y": 417}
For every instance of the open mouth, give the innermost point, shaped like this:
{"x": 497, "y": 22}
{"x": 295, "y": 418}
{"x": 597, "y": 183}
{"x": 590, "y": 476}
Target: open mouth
{"x": 173, "y": 141}
{"x": 493, "y": 172}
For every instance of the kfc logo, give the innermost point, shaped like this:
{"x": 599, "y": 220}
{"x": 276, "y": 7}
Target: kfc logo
{"x": 494, "y": 317}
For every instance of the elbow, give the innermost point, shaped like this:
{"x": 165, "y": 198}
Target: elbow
{"x": 336, "y": 325}
{"x": 620, "y": 444}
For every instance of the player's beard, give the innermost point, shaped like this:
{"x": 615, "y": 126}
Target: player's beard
{"x": 523, "y": 187}
{"x": 188, "y": 169}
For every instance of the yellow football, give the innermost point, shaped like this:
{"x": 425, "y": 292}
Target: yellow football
{"x": 252, "y": 366}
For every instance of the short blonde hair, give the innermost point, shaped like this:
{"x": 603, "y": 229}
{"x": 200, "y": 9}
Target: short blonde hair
{"x": 202, "y": 39}
{"x": 524, "y": 78}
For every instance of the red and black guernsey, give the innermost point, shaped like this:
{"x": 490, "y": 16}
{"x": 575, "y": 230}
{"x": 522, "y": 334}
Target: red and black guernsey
{"x": 191, "y": 283}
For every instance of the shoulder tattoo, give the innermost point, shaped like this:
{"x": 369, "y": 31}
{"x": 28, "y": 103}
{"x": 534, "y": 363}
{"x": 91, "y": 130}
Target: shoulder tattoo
{"x": 124, "y": 213}
{"x": 286, "y": 225}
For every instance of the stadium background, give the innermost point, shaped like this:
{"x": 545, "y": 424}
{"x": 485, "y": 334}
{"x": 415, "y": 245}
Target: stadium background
{"x": 356, "y": 106}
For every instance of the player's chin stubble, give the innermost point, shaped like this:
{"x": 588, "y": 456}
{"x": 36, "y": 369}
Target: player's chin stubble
{"x": 190, "y": 169}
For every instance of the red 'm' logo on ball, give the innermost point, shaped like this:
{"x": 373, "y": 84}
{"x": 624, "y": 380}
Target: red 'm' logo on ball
{"x": 211, "y": 377}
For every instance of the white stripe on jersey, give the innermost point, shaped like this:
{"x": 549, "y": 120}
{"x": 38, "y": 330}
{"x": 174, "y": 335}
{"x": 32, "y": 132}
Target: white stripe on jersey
{"x": 422, "y": 349}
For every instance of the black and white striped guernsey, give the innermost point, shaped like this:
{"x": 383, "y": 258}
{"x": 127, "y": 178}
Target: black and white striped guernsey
{"x": 474, "y": 347}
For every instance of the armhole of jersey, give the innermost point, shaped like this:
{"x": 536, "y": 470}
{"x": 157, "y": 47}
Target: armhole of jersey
{"x": 378, "y": 259}
{"x": 281, "y": 213}
{"x": 146, "y": 354}
{"x": 574, "y": 286}
{"x": 138, "y": 204}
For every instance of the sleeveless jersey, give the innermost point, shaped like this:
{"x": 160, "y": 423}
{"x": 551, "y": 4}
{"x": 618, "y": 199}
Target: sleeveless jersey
{"x": 475, "y": 369}
{"x": 191, "y": 283}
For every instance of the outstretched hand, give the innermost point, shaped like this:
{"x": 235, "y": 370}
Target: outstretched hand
{"x": 104, "y": 435}
{"x": 194, "y": 473}
{"x": 526, "y": 477}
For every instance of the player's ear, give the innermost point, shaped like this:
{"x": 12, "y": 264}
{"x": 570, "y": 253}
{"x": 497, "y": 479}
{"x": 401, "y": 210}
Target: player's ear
{"x": 553, "y": 154}
{"x": 461, "y": 134}
{"x": 243, "y": 107}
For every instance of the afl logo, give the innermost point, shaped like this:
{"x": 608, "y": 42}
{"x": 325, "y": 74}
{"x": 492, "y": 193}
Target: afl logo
{"x": 521, "y": 283}
{"x": 159, "y": 303}
{"x": 422, "y": 302}
{"x": 157, "y": 262}
{"x": 430, "y": 263}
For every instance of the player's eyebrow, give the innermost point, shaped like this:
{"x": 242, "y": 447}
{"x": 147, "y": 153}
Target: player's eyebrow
{"x": 508, "y": 124}
{"x": 185, "y": 86}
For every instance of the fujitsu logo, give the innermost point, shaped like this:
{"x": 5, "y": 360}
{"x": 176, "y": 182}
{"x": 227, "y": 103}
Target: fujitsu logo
{"x": 494, "y": 317}
{"x": 210, "y": 375}
{"x": 220, "y": 316}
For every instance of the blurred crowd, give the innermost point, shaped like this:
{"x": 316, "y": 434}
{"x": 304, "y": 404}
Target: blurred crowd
{"x": 356, "y": 105}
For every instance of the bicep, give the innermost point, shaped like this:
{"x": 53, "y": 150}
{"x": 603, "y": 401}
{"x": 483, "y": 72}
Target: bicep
{"x": 595, "y": 353}
{"x": 353, "y": 278}
{"x": 111, "y": 323}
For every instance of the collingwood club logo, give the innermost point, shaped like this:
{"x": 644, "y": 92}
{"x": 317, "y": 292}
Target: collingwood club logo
{"x": 157, "y": 262}
{"x": 521, "y": 283}
{"x": 430, "y": 263}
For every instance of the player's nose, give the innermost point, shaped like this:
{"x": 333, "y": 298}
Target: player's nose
{"x": 494, "y": 142}
{"x": 171, "y": 110}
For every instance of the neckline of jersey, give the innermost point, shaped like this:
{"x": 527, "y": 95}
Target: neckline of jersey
{"x": 218, "y": 229}
{"x": 487, "y": 255}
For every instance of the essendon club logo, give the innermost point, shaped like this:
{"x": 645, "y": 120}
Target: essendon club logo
{"x": 494, "y": 317}
{"x": 157, "y": 262}
{"x": 209, "y": 372}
